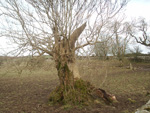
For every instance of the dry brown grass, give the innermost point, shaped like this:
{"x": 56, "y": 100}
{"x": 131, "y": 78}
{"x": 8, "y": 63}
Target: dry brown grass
{"x": 111, "y": 75}
{"x": 129, "y": 86}
{"x": 115, "y": 77}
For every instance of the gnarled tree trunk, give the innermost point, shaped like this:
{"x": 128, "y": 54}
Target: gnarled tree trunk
{"x": 71, "y": 89}
{"x": 67, "y": 72}
{"x": 65, "y": 64}
{"x": 64, "y": 55}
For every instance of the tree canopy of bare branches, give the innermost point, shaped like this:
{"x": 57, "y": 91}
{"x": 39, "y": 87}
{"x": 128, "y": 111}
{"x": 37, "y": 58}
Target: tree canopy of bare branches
{"x": 120, "y": 38}
{"x": 54, "y": 27}
{"x": 139, "y": 30}
{"x": 39, "y": 25}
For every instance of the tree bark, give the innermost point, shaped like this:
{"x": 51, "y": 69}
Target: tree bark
{"x": 66, "y": 64}
{"x": 64, "y": 56}
{"x": 66, "y": 76}
{"x": 67, "y": 70}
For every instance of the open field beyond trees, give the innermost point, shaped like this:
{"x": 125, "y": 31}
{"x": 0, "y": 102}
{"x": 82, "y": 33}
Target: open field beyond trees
{"x": 29, "y": 91}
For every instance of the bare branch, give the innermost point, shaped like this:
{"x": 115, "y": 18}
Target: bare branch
{"x": 74, "y": 36}
{"x": 139, "y": 31}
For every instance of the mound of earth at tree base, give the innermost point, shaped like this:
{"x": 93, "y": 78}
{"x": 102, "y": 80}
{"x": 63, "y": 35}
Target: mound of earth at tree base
{"x": 83, "y": 93}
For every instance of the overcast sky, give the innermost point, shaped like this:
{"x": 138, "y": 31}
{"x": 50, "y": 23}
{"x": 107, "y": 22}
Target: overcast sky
{"x": 134, "y": 9}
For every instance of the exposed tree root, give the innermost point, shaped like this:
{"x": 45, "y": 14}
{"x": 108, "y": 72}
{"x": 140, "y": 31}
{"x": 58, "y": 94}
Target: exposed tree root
{"x": 108, "y": 98}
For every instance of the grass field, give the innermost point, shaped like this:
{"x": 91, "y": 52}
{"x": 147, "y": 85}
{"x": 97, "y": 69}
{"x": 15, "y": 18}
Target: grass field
{"x": 29, "y": 92}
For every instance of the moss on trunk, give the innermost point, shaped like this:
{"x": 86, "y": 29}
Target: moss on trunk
{"x": 66, "y": 77}
{"x": 80, "y": 94}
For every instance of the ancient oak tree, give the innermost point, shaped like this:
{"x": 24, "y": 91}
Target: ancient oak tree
{"x": 53, "y": 27}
